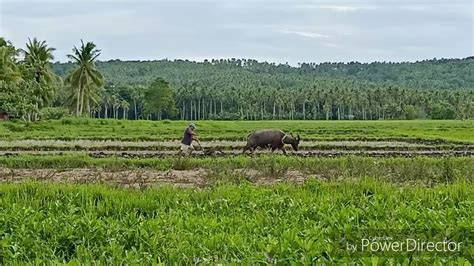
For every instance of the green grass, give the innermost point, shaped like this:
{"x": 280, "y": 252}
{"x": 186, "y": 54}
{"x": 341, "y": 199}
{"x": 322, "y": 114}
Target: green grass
{"x": 422, "y": 170}
{"x": 69, "y": 129}
{"x": 46, "y": 223}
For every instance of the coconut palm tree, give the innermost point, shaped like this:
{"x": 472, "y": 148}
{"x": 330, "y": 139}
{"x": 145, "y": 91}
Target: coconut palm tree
{"x": 125, "y": 107}
{"x": 86, "y": 79}
{"x": 106, "y": 101}
{"x": 137, "y": 94}
{"x": 38, "y": 58}
{"x": 115, "y": 105}
{"x": 9, "y": 71}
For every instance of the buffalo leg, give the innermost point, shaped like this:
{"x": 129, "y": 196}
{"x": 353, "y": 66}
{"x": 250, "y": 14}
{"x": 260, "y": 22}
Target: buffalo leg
{"x": 283, "y": 150}
{"x": 273, "y": 146}
{"x": 245, "y": 148}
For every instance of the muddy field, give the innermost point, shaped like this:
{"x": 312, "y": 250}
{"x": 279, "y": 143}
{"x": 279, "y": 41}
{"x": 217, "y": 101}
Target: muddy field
{"x": 149, "y": 149}
{"x": 198, "y": 175}
{"x": 215, "y": 153}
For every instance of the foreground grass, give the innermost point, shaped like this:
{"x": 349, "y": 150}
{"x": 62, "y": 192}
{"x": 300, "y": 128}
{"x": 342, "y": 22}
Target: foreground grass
{"x": 423, "y": 170}
{"x": 46, "y": 223}
{"x": 100, "y": 129}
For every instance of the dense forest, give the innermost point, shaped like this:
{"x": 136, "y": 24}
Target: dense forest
{"x": 428, "y": 74}
{"x": 247, "y": 89}
{"x": 230, "y": 89}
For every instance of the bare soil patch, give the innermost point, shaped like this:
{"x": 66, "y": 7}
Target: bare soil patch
{"x": 136, "y": 178}
{"x": 142, "y": 178}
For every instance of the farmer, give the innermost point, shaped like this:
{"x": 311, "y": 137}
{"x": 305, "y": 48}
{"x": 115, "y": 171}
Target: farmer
{"x": 188, "y": 137}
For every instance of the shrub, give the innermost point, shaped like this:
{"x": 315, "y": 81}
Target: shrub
{"x": 51, "y": 113}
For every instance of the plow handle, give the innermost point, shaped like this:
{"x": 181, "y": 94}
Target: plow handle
{"x": 200, "y": 146}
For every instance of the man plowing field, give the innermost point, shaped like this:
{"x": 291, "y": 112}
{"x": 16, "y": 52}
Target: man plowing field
{"x": 186, "y": 143}
{"x": 188, "y": 137}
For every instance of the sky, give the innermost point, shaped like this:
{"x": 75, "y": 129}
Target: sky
{"x": 266, "y": 30}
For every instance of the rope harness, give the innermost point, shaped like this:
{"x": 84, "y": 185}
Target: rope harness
{"x": 283, "y": 139}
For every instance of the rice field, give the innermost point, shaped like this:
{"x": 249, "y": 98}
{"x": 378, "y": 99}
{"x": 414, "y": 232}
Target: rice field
{"x": 82, "y": 191}
{"x": 279, "y": 224}
{"x": 127, "y": 130}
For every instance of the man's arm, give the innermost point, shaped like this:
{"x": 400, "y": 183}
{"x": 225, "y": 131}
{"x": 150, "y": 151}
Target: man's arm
{"x": 193, "y": 135}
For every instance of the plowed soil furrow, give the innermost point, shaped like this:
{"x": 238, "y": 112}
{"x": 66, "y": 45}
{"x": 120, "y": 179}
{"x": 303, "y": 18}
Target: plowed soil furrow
{"x": 304, "y": 153}
{"x": 152, "y": 145}
{"x": 145, "y": 149}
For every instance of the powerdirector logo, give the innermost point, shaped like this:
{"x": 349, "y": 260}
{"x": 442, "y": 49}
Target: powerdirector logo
{"x": 395, "y": 243}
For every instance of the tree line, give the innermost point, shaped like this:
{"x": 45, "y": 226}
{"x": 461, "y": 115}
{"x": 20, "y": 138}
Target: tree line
{"x": 31, "y": 90}
{"x": 323, "y": 100}
{"x": 247, "y": 89}
{"x": 28, "y": 83}
{"x": 32, "y": 87}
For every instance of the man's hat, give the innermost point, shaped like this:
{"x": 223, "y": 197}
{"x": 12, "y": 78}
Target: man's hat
{"x": 192, "y": 125}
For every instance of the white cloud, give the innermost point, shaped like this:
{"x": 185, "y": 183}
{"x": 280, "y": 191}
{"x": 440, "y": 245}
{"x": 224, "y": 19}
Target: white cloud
{"x": 332, "y": 45}
{"x": 307, "y": 34}
{"x": 341, "y": 8}
{"x": 414, "y": 7}
{"x": 414, "y": 48}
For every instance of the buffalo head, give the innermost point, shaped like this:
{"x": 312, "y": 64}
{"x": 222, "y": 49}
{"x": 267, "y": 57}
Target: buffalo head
{"x": 295, "y": 142}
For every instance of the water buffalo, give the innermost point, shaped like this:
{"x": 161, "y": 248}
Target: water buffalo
{"x": 273, "y": 138}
